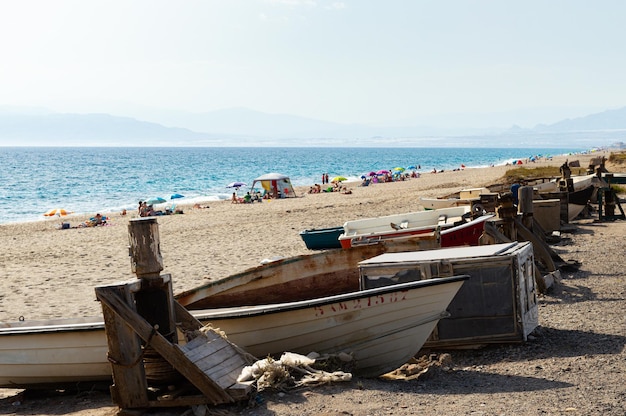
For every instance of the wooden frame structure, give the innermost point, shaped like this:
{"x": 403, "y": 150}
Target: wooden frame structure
{"x": 142, "y": 315}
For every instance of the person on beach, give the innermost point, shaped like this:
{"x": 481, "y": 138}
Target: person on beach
{"x": 97, "y": 220}
{"x": 234, "y": 199}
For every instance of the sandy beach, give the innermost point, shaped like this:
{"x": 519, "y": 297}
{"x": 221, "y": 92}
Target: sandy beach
{"x": 575, "y": 364}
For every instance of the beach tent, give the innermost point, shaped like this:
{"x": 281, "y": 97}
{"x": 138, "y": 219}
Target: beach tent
{"x": 276, "y": 184}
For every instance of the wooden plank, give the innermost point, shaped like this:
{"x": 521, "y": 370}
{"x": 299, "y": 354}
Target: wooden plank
{"x": 185, "y": 320}
{"x": 193, "y": 344}
{"x": 170, "y": 352}
{"x": 209, "y": 348}
{"x": 229, "y": 364}
{"x": 130, "y": 389}
{"x": 240, "y": 391}
{"x": 227, "y": 373}
{"x": 218, "y": 349}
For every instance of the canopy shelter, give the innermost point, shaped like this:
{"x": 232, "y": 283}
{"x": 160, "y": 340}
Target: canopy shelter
{"x": 276, "y": 185}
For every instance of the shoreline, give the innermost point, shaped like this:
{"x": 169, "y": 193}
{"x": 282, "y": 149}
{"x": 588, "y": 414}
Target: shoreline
{"x": 89, "y": 204}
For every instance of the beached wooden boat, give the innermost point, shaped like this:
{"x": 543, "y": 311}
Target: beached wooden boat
{"x": 614, "y": 178}
{"x": 498, "y": 303}
{"x": 580, "y": 190}
{"x": 439, "y": 203}
{"x": 465, "y": 197}
{"x": 55, "y": 353}
{"x": 577, "y": 201}
{"x": 578, "y": 183}
{"x": 322, "y": 238}
{"x": 401, "y": 225}
{"x": 295, "y": 278}
{"x": 381, "y": 327}
{"x": 452, "y": 231}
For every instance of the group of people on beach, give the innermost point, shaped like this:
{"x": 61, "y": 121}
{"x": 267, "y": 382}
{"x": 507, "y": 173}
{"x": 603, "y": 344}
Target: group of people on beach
{"x": 145, "y": 210}
{"x": 248, "y": 198}
{"x": 335, "y": 187}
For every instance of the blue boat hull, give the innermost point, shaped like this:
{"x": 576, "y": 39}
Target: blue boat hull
{"x": 322, "y": 238}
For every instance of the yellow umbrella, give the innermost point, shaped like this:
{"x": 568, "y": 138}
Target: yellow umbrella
{"x": 58, "y": 212}
{"x": 339, "y": 179}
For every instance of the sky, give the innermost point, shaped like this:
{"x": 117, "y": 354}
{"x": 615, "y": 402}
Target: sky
{"x": 351, "y": 61}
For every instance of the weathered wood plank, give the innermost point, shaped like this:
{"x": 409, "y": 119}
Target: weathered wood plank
{"x": 225, "y": 375}
{"x": 218, "y": 349}
{"x": 185, "y": 320}
{"x": 228, "y": 365}
{"x": 171, "y": 352}
{"x": 130, "y": 389}
{"x": 191, "y": 345}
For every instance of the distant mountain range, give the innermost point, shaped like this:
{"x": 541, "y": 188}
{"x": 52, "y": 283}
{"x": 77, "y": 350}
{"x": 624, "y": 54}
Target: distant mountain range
{"x": 243, "y": 127}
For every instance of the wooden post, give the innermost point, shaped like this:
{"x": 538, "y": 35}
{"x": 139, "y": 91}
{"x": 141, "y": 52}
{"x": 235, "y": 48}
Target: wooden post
{"x": 125, "y": 353}
{"x": 145, "y": 250}
{"x": 525, "y": 205}
{"x": 155, "y": 300}
{"x": 507, "y": 213}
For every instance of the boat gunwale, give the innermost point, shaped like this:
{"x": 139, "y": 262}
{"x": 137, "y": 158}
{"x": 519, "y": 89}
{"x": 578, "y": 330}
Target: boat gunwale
{"x": 257, "y": 310}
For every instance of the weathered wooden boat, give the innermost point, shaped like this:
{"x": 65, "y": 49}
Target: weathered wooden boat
{"x": 465, "y": 197}
{"x": 498, "y": 303}
{"x": 381, "y": 327}
{"x": 322, "y": 238}
{"x": 578, "y": 183}
{"x": 577, "y": 201}
{"x": 463, "y": 234}
{"x": 54, "y": 353}
{"x": 402, "y": 225}
{"x": 295, "y": 278}
{"x": 614, "y": 178}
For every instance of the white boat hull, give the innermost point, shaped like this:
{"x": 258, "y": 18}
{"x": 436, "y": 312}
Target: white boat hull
{"x": 382, "y": 328}
{"x": 54, "y": 352}
{"x": 439, "y": 203}
{"x": 400, "y": 225}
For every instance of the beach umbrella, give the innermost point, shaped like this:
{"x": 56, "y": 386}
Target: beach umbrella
{"x": 339, "y": 179}
{"x": 412, "y": 167}
{"x": 176, "y": 196}
{"x": 155, "y": 200}
{"x": 60, "y": 212}
{"x": 398, "y": 169}
{"x": 372, "y": 173}
{"x": 382, "y": 172}
{"x": 236, "y": 185}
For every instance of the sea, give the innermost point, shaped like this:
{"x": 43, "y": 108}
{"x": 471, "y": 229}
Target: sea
{"x": 90, "y": 180}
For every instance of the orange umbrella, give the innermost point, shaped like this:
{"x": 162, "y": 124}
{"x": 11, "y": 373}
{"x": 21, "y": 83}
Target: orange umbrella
{"x": 58, "y": 212}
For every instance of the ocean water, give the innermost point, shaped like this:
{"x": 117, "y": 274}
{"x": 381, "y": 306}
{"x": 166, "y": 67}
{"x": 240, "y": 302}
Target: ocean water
{"x": 90, "y": 180}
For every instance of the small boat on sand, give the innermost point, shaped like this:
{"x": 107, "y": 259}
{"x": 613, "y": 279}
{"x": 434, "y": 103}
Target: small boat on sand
{"x": 401, "y": 225}
{"x": 465, "y": 197}
{"x": 382, "y": 328}
{"x": 455, "y": 225}
{"x": 322, "y": 238}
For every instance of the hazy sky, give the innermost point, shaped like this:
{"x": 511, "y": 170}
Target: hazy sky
{"x": 345, "y": 61}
